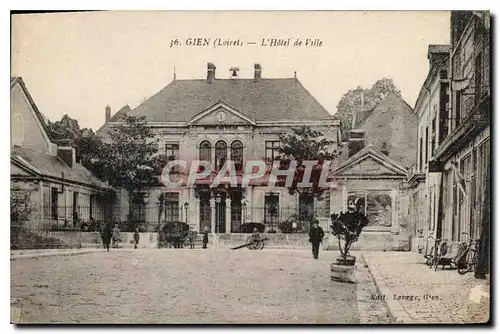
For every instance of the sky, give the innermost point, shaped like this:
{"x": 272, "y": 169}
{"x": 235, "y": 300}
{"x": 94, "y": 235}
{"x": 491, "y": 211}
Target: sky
{"x": 77, "y": 63}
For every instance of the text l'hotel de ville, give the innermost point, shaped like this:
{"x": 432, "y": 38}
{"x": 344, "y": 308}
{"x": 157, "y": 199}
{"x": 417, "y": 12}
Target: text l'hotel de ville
{"x": 306, "y": 42}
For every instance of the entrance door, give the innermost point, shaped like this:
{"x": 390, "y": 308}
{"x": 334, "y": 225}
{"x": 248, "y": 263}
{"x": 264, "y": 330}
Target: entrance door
{"x": 220, "y": 214}
{"x": 205, "y": 212}
{"x": 236, "y": 219}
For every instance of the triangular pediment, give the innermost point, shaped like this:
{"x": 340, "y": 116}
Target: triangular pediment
{"x": 220, "y": 114}
{"x": 370, "y": 163}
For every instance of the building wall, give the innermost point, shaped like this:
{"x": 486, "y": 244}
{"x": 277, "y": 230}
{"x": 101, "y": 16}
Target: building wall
{"x": 26, "y": 130}
{"x": 463, "y": 212}
{"x": 390, "y": 233}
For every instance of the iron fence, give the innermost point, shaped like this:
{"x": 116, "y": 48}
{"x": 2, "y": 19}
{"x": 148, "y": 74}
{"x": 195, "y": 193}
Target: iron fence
{"x": 69, "y": 226}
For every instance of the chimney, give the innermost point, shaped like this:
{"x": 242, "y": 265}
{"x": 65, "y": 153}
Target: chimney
{"x": 108, "y": 113}
{"x": 234, "y": 72}
{"x": 257, "y": 72}
{"x": 67, "y": 154}
{"x": 356, "y": 141}
{"x": 210, "y": 72}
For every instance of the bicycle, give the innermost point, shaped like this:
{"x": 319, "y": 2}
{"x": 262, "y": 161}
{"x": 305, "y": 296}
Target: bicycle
{"x": 467, "y": 260}
{"x": 430, "y": 258}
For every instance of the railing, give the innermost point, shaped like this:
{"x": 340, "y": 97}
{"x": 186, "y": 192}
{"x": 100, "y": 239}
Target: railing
{"x": 64, "y": 227}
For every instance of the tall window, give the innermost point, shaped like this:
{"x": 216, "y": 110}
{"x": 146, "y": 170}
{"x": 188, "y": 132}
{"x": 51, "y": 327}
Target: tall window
{"x": 172, "y": 150}
{"x": 458, "y": 104}
{"x": 206, "y": 151}
{"x": 272, "y": 150}
{"x": 75, "y": 206}
{"x": 426, "y": 145}
{"x": 478, "y": 76}
{"x": 220, "y": 154}
{"x": 272, "y": 206}
{"x": 420, "y": 159}
{"x": 172, "y": 207}
{"x": 434, "y": 136}
{"x": 54, "y": 202}
{"x": 237, "y": 154}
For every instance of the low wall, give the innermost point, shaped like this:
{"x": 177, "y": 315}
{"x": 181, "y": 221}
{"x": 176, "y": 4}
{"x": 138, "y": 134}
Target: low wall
{"x": 93, "y": 239}
{"x": 375, "y": 241}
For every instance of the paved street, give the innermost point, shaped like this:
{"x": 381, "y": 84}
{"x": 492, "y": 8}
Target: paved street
{"x": 417, "y": 294}
{"x": 185, "y": 286}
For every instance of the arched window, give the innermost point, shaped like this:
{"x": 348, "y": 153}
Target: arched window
{"x": 237, "y": 154}
{"x": 220, "y": 154}
{"x": 205, "y": 151}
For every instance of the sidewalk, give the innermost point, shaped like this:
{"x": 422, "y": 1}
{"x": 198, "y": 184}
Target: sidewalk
{"x": 35, "y": 253}
{"x": 415, "y": 293}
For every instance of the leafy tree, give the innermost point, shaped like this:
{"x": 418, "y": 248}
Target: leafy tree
{"x": 356, "y": 100}
{"x": 301, "y": 145}
{"x": 347, "y": 227}
{"x": 128, "y": 160}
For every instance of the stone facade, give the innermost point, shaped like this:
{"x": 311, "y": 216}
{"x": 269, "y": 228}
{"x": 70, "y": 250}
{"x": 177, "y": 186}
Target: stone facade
{"x": 215, "y": 119}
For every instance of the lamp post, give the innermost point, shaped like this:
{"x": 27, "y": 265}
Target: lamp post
{"x": 186, "y": 206}
{"x": 244, "y": 212}
{"x": 217, "y": 210}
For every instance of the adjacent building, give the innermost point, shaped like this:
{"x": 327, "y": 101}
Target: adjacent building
{"x": 432, "y": 108}
{"x": 374, "y": 172}
{"x": 450, "y": 183}
{"x": 59, "y": 190}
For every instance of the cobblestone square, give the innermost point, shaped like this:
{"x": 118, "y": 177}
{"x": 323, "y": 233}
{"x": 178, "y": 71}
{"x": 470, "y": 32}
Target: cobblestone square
{"x": 189, "y": 286}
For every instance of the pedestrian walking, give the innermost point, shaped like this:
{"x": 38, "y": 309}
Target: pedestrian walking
{"x": 115, "y": 236}
{"x": 316, "y": 235}
{"x": 191, "y": 237}
{"x": 106, "y": 233}
{"x": 205, "y": 237}
{"x": 136, "y": 237}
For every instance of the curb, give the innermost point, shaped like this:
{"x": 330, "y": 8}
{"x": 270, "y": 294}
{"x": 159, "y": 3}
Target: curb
{"x": 394, "y": 307}
{"x": 48, "y": 254}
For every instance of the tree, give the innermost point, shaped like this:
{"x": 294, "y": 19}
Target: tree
{"x": 87, "y": 144}
{"x": 347, "y": 227}
{"x": 130, "y": 160}
{"x": 301, "y": 145}
{"x": 361, "y": 99}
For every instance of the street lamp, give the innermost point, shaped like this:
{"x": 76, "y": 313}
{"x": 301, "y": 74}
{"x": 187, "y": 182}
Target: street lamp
{"x": 217, "y": 207}
{"x": 244, "y": 212}
{"x": 186, "y": 206}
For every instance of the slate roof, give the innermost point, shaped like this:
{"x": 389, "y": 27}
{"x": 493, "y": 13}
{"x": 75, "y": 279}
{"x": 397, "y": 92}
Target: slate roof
{"x": 394, "y": 123}
{"x": 262, "y": 100}
{"x": 51, "y": 166}
{"x": 120, "y": 113}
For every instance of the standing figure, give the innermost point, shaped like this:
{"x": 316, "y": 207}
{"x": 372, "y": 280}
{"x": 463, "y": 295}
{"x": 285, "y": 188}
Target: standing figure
{"x": 106, "y": 236}
{"x": 205, "y": 237}
{"x": 136, "y": 237}
{"x": 315, "y": 238}
{"x": 116, "y": 236}
{"x": 191, "y": 237}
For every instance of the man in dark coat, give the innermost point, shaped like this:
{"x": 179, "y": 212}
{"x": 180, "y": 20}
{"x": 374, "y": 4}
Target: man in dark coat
{"x": 316, "y": 235}
{"x": 106, "y": 236}
{"x": 205, "y": 237}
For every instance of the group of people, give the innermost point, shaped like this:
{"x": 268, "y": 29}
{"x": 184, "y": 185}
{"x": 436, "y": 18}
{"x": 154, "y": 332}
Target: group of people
{"x": 111, "y": 235}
